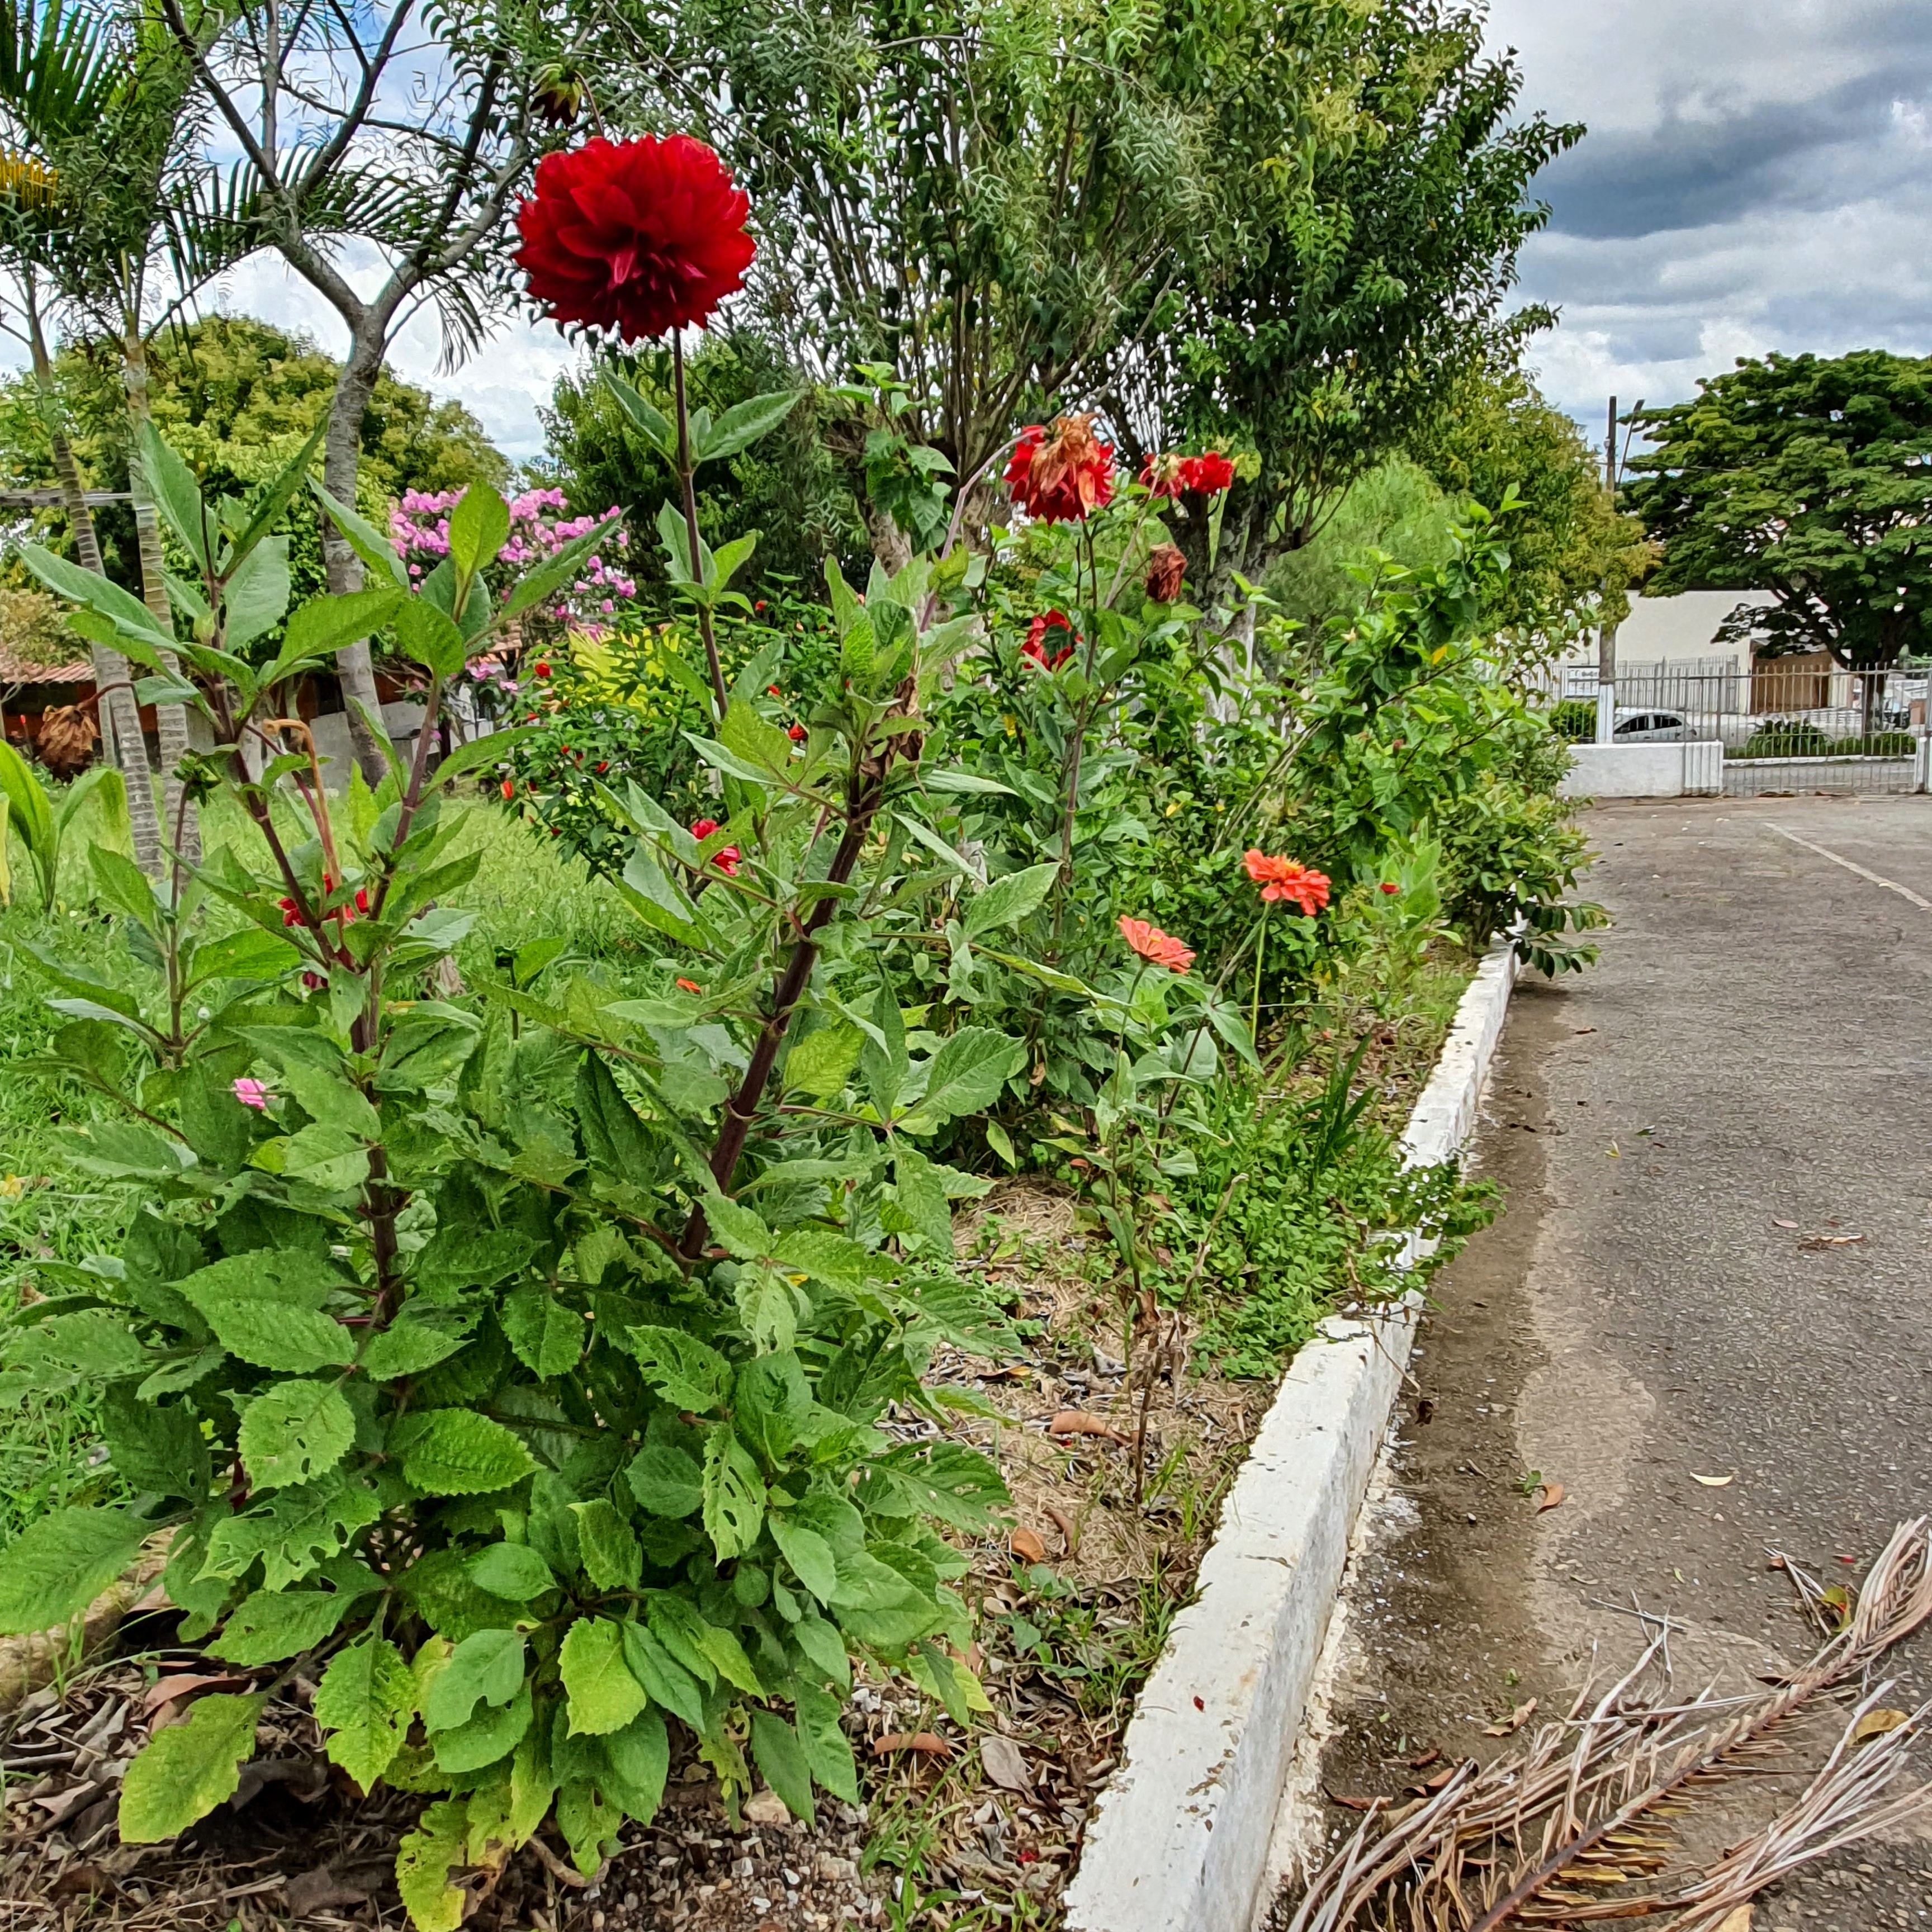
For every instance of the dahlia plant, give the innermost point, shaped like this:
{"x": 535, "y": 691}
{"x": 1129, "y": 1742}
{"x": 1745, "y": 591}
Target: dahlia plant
{"x": 517, "y": 1368}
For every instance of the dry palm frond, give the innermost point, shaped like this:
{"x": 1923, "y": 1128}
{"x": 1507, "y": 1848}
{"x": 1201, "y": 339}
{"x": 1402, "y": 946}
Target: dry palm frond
{"x": 1576, "y": 1826}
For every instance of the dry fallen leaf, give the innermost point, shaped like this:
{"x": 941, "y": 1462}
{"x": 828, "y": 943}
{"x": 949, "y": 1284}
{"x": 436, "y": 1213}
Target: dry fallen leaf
{"x": 1877, "y": 1724}
{"x": 766, "y": 1808}
{"x": 1739, "y": 1921}
{"x": 1714, "y": 1482}
{"x": 1778, "y": 1222}
{"x": 63, "y": 1805}
{"x": 1513, "y": 1723}
{"x": 1024, "y": 1544}
{"x": 1077, "y": 1422}
{"x": 1006, "y": 1763}
{"x": 1062, "y": 1521}
{"x": 1353, "y": 1804}
{"x": 183, "y": 1684}
{"x": 927, "y": 1741}
{"x": 1553, "y": 1493}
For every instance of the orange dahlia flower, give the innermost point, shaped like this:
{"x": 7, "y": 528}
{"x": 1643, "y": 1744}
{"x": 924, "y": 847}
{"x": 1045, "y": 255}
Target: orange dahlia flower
{"x": 1286, "y": 879}
{"x": 1157, "y": 947}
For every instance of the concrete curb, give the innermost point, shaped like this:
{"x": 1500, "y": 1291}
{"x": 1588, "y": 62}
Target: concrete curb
{"x": 1179, "y": 1841}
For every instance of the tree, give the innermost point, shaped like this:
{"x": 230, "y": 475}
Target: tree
{"x": 789, "y": 486}
{"x": 1573, "y": 555}
{"x": 985, "y": 199}
{"x": 411, "y": 131}
{"x": 1807, "y": 478}
{"x": 1356, "y": 310}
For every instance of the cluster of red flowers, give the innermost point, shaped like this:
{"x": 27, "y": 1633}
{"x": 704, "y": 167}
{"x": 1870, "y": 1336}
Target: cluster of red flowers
{"x": 726, "y": 861}
{"x": 345, "y": 915}
{"x": 1286, "y": 879}
{"x": 1035, "y": 646}
{"x": 641, "y": 237}
{"x": 1157, "y": 947}
{"x": 1062, "y": 475}
{"x": 1174, "y": 474}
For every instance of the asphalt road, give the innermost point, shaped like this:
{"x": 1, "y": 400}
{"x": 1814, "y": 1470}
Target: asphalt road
{"x": 1754, "y": 1050}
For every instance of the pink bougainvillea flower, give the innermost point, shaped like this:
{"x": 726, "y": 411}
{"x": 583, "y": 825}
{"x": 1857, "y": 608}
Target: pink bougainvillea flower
{"x": 1157, "y": 947}
{"x": 1287, "y": 879}
{"x": 1062, "y": 475}
{"x": 640, "y": 237}
{"x": 252, "y": 1094}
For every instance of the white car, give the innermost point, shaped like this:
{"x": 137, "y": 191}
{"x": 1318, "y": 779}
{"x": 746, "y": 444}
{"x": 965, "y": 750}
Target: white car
{"x": 1651, "y": 727}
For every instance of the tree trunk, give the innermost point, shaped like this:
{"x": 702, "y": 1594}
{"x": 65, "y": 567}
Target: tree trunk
{"x": 121, "y": 738}
{"x": 890, "y": 544}
{"x": 179, "y": 819}
{"x": 341, "y": 460}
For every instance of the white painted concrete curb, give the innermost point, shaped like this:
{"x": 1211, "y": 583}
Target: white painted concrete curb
{"x": 1179, "y": 1841}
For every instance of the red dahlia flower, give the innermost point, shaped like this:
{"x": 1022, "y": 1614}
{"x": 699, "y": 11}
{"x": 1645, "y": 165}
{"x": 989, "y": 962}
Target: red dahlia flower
{"x": 1035, "y": 646}
{"x": 1286, "y": 879}
{"x": 641, "y": 237}
{"x": 1064, "y": 475}
{"x": 1209, "y": 474}
{"x": 1157, "y": 947}
{"x": 1162, "y": 474}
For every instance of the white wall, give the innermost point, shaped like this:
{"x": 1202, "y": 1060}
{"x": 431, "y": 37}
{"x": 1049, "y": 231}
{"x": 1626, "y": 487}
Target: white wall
{"x": 1670, "y": 630}
{"x": 1645, "y": 771}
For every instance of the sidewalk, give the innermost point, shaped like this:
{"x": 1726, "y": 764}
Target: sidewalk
{"x": 1754, "y": 1048}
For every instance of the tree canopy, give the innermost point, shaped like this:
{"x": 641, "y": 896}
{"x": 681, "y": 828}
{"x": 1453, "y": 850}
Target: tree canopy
{"x": 238, "y": 397}
{"x": 1808, "y": 478}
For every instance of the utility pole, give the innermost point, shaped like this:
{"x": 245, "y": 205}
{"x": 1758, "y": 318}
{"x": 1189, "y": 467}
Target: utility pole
{"x": 1606, "y": 633}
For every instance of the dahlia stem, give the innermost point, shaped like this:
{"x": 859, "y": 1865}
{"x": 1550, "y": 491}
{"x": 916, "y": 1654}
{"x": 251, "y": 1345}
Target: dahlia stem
{"x": 685, "y": 471}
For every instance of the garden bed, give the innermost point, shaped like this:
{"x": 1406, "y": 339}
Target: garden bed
{"x": 960, "y": 1827}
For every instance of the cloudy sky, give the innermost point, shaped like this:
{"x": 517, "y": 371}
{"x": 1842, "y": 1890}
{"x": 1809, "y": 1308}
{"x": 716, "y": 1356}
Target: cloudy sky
{"x": 1758, "y": 175}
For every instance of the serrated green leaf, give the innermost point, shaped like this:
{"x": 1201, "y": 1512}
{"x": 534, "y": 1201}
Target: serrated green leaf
{"x": 486, "y": 1666}
{"x": 454, "y": 1452}
{"x": 638, "y": 1761}
{"x": 687, "y": 1374}
{"x": 266, "y": 1307}
{"x": 60, "y": 1562}
{"x": 293, "y": 1431}
{"x": 669, "y": 1683}
{"x": 734, "y": 1494}
{"x": 965, "y": 1075}
{"x": 823, "y": 1062}
{"x": 271, "y": 1625}
{"x": 424, "y": 1862}
{"x": 1009, "y": 900}
{"x": 827, "y": 1750}
{"x": 410, "y": 1344}
{"x": 607, "y": 1546}
{"x": 603, "y": 1696}
{"x": 188, "y": 1769}
{"x": 665, "y": 1480}
{"x": 511, "y": 1570}
{"x": 365, "y": 1701}
{"x": 479, "y": 527}
{"x": 548, "y": 1337}
{"x": 809, "y": 1555}
{"x": 491, "y": 1735}
{"x": 743, "y": 424}
{"x": 777, "y": 1752}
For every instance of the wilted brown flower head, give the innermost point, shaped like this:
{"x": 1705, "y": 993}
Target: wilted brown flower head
{"x": 1166, "y": 567}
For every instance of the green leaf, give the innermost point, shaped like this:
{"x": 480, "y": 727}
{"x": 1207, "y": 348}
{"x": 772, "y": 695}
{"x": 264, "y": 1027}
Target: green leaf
{"x": 777, "y": 1752}
{"x": 511, "y": 1570}
{"x": 638, "y": 1761}
{"x": 1007, "y": 901}
{"x": 365, "y": 1700}
{"x": 320, "y": 627}
{"x": 432, "y": 639}
{"x": 491, "y": 1734}
{"x": 60, "y": 1562}
{"x": 256, "y": 599}
{"x": 687, "y": 1374}
{"x": 823, "y": 1061}
{"x": 271, "y": 1625}
{"x": 747, "y": 736}
{"x": 131, "y": 619}
{"x": 645, "y": 416}
{"x": 410, "y": 1344}
{"x": 607, "y": 1546}
{"x": 266, "y": 1307}
{"x": 739, "y": 1229}
{"x": 965, "y": 1075}
{"x": 31, "y": 813}
{"x": 967, "y": 784}
{"x": 743, "y": 424}
{"x": 547, "y": 1336}
{"x": 453, "y": 1452}
{"x": 665, "y": 1480}
{"x": 175, "y": 493}
{"x": 479, "y": 527}
{"x": 155, "y": 1447}
{"x": 363, "y": 538}
{"x": 189, "y": 1769}
{"x": 294, "y": 1532}
{"x": 424, "y": 1862}
{"x": 603, "y": 1696}
{"x": 827, "y": 1750}
{"x": 292, "y": 1432}
{"x": 669, "y": 1683}
{"x": 734, "y": 1494}
{"x": 699, "y": 1645}
{"x": 825, "y": 1648}
{"x": 486, "y": 1666}
{"x": 809, "y": 1555}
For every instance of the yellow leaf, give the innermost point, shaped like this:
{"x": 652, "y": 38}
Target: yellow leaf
{"x": 1877, "y": 1724}
{"x": 1739, "y": 1921}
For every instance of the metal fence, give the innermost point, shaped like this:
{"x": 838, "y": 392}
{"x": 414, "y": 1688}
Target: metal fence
{"x": 1787, "y": 725}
